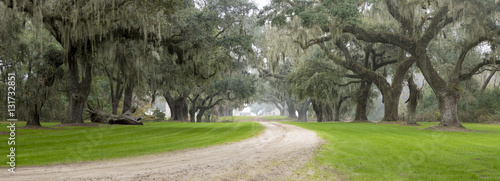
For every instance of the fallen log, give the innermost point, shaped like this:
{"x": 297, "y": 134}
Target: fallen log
{"x": 98, "y": 116}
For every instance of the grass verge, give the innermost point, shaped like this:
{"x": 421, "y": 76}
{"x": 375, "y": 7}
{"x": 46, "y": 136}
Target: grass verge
{"x": 365, "y": 151}
{"x": 76, "y": 144}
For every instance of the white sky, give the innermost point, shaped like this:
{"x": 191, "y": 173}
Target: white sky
{"x": 261, "y": 3}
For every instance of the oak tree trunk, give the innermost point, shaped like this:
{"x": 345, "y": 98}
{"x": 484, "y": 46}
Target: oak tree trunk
{"x": 328, "y": 114}
{"x": 77, "y": 91}
{"x": 448, "y": 106}
{"x": 192, "y": 115}
{"x": 302, "y": 115}
{"x": 412, "y": 101}
{"x": 391, "y": 103}
{"x": 318, "y": 109}
{"x": 336, "y": 118}
{"x": 291, "y": 108}
{"x": 178, "y": 107}
{"x": 337, "y": 107}
{"x": 280, "y": 108}
{"x": 34, "y": 119}
{"x": 303, "y": 108}
{"x": 127, "y": 99}
{"x": 362, "y": 101}
{"x": 199, "y": 117}
{"x": 114, "y": 107}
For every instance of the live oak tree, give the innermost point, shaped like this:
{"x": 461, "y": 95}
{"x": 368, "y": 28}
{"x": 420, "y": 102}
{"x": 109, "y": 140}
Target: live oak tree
{"x": 330, "y": 18}
{"x": 79, "y": 27}
{"x": 236, "y": 88}
{"x": 422, "y": 24}
{"x": 417, "y": 24}
{"x": 277, "y": 55}
{"x": 209, "y": 37}
{"x": 412, "y": 102}
{"x": 323, "y": 82}
{"x": 32, "y": 55}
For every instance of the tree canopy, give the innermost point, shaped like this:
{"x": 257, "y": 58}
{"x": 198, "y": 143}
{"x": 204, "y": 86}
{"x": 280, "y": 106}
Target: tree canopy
{"x": 205, "y": 57}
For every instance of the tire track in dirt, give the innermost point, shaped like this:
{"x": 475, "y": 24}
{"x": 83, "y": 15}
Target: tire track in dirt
{"x": 273, "y": 155}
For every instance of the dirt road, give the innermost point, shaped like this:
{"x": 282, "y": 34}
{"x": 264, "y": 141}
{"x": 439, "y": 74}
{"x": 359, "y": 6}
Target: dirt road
{"x": 273, "y": 155}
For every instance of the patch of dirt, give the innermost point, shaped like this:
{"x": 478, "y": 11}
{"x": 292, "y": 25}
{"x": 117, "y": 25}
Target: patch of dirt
{"x": 450, "y": 129}
{"x": 4, "y": 133}
{"x": 273, "y": 155}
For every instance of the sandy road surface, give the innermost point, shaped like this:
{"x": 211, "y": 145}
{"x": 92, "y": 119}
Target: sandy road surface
{"x": 273, "y": 155}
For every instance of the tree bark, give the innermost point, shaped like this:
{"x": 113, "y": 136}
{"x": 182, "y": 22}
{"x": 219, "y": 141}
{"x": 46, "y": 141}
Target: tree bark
{"x": 336, "y": 118}
{"x": 291, "y": 108}
{"x": 303, "y": 108}
{"x": 77, "y": 91}
{"x": 487, "y": 81}
{"x": 181, "y": 110}
{"x": 281, "y": 108}
{"x": 116, "y": 89}
{"x": 328, "y": 114}
{"x": 302, "y": 115}
{"x": 127, "y": 99}
{"x": 98, "y": 116}
{"x": 199, "y": 117}
{"x": 192, "y": 115}
{"x": 412, "y": 101}
{"x": 362, "y": 101}
{"x": 448, "y": 104}
{"x": 318, "y": 109}
{"x": 178, "y": 107}
{"x": 34, "y": 119}
{"x": 390, "y": 92}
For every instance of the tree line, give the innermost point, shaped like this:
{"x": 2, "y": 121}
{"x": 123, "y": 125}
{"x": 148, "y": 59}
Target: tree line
{"x": 209, "y": 57}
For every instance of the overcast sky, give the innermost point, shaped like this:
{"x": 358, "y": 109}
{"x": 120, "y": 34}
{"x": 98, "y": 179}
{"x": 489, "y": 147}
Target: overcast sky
{"x": 261, "y": 3}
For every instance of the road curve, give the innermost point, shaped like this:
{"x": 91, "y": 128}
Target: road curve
{"x": 273, "y": 155}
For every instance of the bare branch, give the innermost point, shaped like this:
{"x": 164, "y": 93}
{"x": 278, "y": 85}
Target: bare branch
{"x": 439, "y": 21}
{"x": 477, "y": 67}
{"x": 469, "y": 46}
{"x": 378, "y": 37}
{"x": 348, "y": 83}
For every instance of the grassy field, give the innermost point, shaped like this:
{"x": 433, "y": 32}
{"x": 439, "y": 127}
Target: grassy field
{"x": 235, "y": 118}
{"x": 275, "y": 117}
{"x": 75, "y": 144}
{"x": 364, "y": 151}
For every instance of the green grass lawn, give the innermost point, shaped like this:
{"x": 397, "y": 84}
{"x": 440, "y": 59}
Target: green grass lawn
{"x": 75, "y": 144}
{"x": 364, "y": 151}
{"x": 275, "y": 117}
{"x": 235, "y": 118}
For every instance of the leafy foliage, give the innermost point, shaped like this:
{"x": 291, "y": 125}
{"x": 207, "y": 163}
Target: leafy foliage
{"x": 159, "y": 116}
